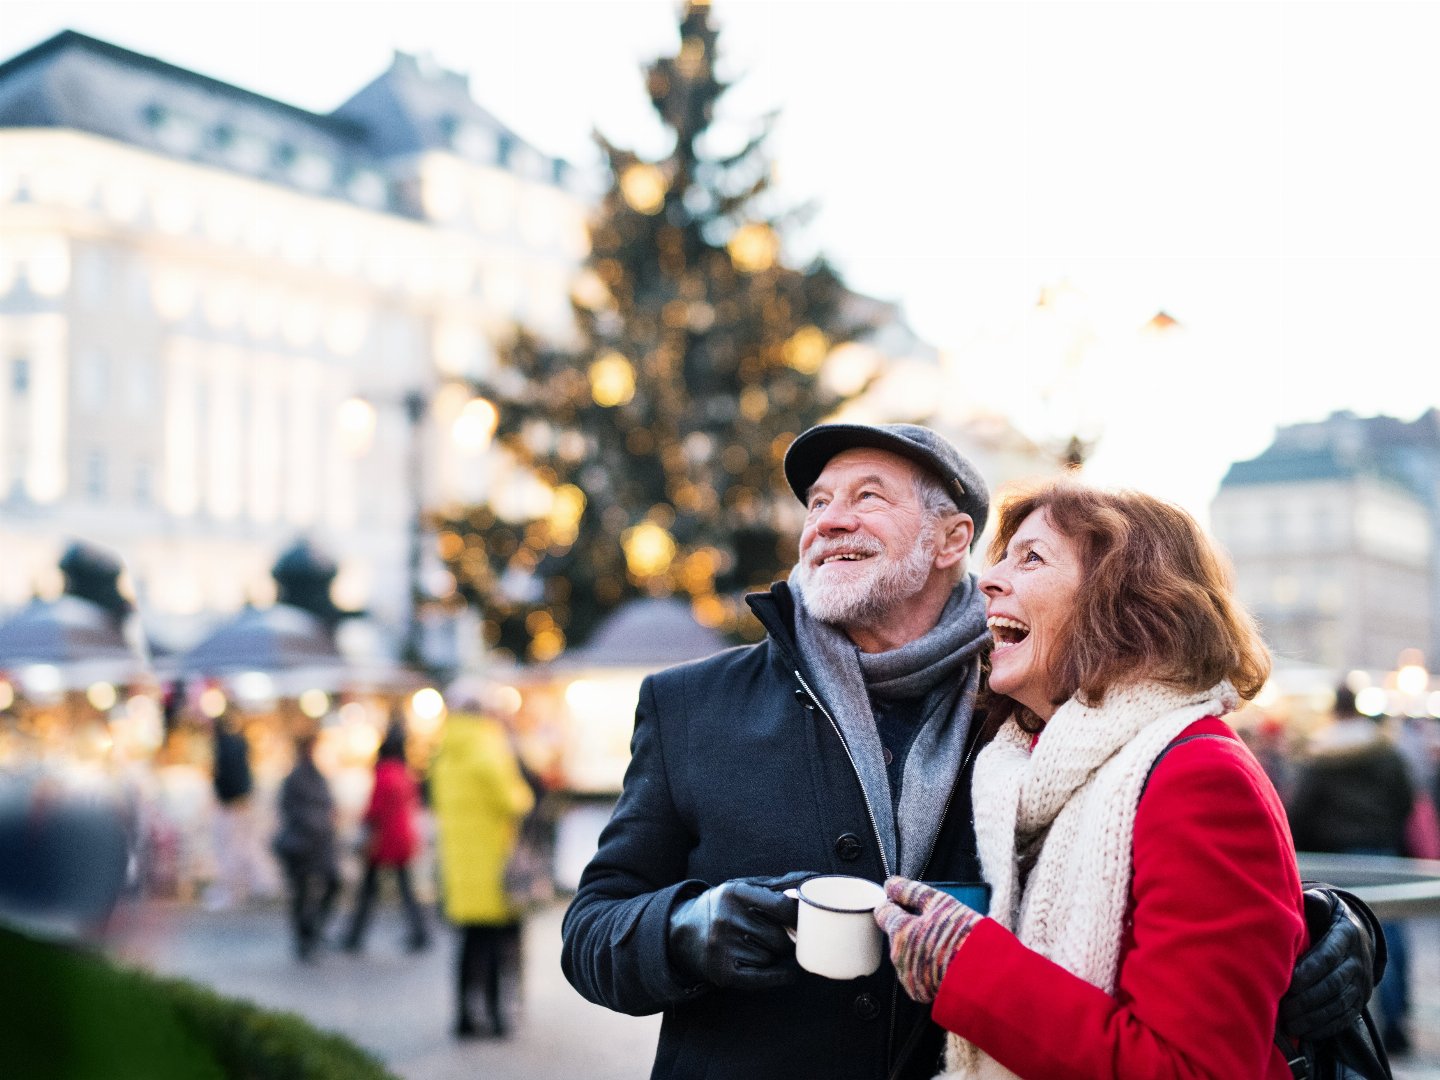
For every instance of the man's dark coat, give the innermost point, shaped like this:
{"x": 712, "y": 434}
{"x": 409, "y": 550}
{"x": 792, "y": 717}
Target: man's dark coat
{"x": 737, "y": 770}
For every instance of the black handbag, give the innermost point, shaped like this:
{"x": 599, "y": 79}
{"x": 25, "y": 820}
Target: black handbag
{"x": 1356, "y": 1053}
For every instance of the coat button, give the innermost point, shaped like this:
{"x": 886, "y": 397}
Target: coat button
{"x": 866, "y": 1007}
{"x": 804, "y": 699}
{"x": 848, "y": 847}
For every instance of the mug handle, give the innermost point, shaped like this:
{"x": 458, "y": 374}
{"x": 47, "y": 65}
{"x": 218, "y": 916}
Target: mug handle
{"x": 793, "y": 894}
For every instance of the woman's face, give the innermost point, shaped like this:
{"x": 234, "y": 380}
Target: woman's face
{"x": 1029, "y": 594}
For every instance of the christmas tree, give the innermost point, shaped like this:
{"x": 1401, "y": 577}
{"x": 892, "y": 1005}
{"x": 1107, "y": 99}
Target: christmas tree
{"x": 657, "y": 442}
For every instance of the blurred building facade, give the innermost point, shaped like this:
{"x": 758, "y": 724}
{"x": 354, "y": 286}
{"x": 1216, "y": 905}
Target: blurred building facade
{"x": 1333, "y": 532}
{"x": 226, "y": 322}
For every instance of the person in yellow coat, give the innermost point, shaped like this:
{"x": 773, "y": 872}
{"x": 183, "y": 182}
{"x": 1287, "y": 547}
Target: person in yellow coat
{"x": 479, "y": 796}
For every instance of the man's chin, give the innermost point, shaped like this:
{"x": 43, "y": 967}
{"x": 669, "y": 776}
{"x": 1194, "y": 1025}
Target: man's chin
{"x": 840, "y": 607}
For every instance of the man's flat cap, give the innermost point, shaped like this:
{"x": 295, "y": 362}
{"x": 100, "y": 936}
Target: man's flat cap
{"x": 809, "y": 454}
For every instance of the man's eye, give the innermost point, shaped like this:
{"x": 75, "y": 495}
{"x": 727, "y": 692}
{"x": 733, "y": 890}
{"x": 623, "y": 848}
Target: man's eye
{"x": 816, "y": 504}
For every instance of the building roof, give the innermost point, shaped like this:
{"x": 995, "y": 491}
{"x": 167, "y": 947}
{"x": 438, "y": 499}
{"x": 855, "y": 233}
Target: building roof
{"x": 81, "y": 83}
{"x": 1344, "y": 446}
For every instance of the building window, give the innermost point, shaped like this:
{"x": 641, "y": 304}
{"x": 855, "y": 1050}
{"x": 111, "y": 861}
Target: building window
{"x": 92, "y": 383}
{"x": 95, "y": 475}
{"x": 19, "y": 466}
{"x": 143, "y": 388}
{"x": 144, "y": 489}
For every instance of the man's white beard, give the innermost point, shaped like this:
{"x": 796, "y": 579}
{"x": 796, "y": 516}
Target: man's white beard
{"x": 866, "y": 599}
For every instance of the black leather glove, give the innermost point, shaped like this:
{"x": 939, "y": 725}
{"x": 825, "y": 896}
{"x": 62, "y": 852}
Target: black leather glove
{"x": 1334, "y": 978}
{"x": 734, "y": 934}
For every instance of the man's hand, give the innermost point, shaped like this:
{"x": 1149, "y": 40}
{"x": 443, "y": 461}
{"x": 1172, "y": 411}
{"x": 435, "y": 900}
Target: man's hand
{"x": 1333, "y": 979}
{"x": 925, "y": 926}
{"x": 734, "y": 934}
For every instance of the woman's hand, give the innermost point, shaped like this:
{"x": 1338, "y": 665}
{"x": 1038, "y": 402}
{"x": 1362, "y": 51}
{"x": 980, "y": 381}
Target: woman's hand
{"x": 925, "y": 927}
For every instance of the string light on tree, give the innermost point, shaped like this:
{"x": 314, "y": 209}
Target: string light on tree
{"x": 657, "y": 439}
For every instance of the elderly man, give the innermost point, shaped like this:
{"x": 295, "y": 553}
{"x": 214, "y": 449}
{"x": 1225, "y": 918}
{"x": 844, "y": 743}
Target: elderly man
{"x": 840, "y": 744}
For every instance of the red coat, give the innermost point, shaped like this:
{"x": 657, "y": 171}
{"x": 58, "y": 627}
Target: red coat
{"x": 394, "y": 803}
{"x": 1214, "y": 927}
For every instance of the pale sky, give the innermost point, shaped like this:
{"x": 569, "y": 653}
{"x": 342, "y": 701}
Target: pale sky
{"x": 1266, "y": 173}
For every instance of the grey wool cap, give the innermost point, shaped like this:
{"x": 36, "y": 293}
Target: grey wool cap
{"x": 809, "y": 454}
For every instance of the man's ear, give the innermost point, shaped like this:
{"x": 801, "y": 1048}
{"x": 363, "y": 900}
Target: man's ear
{"x": 955, "y": 543}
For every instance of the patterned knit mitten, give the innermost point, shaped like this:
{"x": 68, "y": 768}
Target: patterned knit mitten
{"x": 925, "y": 927}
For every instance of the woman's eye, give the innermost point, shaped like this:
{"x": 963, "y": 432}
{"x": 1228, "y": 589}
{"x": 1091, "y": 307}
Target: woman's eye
{"x": 1032, "y": 557}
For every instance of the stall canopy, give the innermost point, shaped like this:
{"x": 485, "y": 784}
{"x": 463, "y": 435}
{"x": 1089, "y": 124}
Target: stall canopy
{"x": 78, "y": 638}
{"x": 304, "y": 641}
{"x": 649, "y": 633}
{"x": 81, "y": 634}
{"x": 264, "y": 639}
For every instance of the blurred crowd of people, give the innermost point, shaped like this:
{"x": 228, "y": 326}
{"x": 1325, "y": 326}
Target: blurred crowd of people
{"x": 472, "y": 801}
{"x": 1364, "y": 785}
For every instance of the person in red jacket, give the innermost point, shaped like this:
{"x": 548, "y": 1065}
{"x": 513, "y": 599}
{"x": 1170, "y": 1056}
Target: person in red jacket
{"x": 1146, "y": 908}
{"x": 393, "y": 840}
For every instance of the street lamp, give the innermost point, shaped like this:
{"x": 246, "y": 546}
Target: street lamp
{"x": 415, "y": 408}
{"x": 471, "y": 430}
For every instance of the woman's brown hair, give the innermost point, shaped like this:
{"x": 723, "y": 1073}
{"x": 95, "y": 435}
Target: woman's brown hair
{"x": 1155, "y": 598}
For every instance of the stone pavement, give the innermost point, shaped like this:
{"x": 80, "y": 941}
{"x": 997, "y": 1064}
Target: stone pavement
{"x": 399, "y": 1005}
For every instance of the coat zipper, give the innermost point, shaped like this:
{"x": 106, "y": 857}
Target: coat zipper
{"x": 864, "y": 795}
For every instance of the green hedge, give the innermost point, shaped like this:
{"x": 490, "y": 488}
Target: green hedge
{"x": 66, "y": 1013}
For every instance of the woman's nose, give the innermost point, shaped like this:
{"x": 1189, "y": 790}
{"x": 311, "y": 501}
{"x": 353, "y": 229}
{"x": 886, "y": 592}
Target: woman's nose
{"x": 991, "y": 582}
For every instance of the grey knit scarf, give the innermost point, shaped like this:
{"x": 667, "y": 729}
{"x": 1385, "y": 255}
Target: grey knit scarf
{"x": 941, "y": 667}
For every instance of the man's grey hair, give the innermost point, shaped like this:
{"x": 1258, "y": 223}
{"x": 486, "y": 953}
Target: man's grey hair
{"x": 934, "y": 499}
{"x": 937, "y": 503}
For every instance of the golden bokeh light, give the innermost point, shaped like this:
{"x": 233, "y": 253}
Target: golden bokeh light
{"x": 753, "y": 248}
{"x": 709, "y": 611}
{"x": 612, "y": 380}
{"x": 806, "y": 349}
{"x": 697, "y": 571}
{"x": 754, "y": 403}
{"x": 547, "y": 645}
{"x": 649, "y": 549}
{"x": 590, "y": 291}
{"x": 450, "y": 544}
{"x": 565, "y": 514}
{"x": 475, "y": 426}
{"x": 643, "y": 186}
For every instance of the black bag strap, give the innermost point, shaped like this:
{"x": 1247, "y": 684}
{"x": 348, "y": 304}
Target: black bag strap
{"x": 1179, "y": 742}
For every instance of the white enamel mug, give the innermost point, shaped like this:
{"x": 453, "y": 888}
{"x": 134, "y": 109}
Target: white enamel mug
{"x": 835, "y": 933}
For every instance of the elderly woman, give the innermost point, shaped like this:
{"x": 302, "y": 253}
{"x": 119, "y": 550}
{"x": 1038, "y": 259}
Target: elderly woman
{"x": 1146, "y": 909}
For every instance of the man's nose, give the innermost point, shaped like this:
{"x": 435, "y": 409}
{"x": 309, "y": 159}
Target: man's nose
{"x": 835, "y": 518}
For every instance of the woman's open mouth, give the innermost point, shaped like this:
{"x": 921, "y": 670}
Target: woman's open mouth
{"x": 1007, "y": 632}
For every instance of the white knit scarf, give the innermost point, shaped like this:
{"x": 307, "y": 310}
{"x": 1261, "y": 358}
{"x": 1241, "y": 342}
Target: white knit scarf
{"x": 1073, "y": 798}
